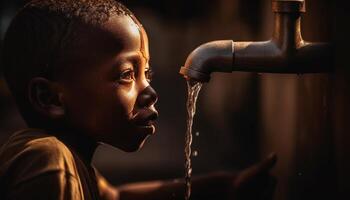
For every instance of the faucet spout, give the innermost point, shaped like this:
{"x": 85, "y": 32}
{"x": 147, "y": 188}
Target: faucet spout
{"x": 216, "y": 56}
{"x": 285, "y": 52}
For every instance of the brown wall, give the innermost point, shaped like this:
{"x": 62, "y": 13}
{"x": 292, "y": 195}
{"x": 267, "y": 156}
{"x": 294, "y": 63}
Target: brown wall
{"x": 341, "y": 100}
{"x": 304, "y": 118}
{"x": 241, "y": 116}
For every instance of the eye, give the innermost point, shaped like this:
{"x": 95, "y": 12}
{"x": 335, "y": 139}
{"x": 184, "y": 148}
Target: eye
{"x": 149, "y": 75}
{"x": 127, "y": 75}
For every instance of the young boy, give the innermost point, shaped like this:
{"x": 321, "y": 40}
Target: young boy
{"x": 79, "y": 72}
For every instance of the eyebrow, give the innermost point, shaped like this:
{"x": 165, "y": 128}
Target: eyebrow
{"x": 145, "y": 57}
{"x": 134, "y": 58}
{"x": 138, "y": 57}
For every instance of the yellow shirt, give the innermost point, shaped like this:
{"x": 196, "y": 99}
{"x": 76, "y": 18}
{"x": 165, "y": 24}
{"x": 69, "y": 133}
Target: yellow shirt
{"x": 35, "y": 165}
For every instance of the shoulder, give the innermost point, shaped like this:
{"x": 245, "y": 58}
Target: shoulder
{"x": 30, "y": 154}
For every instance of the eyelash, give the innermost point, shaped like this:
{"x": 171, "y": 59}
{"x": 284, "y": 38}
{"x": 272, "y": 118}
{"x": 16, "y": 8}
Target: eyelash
{"x": 149, "y": 75}
{"x": 129, "y": 75}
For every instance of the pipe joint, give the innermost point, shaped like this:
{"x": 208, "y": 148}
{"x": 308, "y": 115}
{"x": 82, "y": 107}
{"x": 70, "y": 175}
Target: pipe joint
{"x": 209, "y": 57}
{"x": 288, "y": 6}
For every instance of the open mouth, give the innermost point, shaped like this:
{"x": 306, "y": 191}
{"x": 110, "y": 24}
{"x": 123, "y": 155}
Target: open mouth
{"x": 145, "y": 118}
{"x": 146, "y": 123}
{"x": 146, "y": 127}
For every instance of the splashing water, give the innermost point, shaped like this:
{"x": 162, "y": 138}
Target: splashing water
{"x": 193, "y": 90}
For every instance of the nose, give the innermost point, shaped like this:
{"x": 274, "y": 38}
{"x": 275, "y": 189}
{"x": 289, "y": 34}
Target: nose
{"x": 147, "y": 97}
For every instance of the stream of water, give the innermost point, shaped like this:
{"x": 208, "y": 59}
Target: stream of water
{"x": 193, "y": 90}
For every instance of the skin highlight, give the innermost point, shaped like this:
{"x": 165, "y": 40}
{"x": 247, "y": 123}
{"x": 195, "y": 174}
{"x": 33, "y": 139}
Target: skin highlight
{"x": 118, "y": 81}
{"x": 102, "y": 93}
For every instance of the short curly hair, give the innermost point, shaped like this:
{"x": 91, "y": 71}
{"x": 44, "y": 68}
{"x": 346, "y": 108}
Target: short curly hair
{"x": 40, "y": 36}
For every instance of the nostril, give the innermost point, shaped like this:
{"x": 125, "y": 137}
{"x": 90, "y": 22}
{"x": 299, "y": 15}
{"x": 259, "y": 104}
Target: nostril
{"x": 147, "y": 97}
{"x": 154, "y": 116}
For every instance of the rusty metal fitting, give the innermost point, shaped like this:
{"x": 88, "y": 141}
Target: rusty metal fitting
{"x": 288, "y": 6}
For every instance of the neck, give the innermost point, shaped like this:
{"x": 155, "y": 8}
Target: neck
{"x": 80, "y": 143}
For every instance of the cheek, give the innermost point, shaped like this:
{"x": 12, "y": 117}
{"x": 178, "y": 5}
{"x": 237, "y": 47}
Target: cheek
{"x": 100, "y": 109}
{"x": 126, "y": 98}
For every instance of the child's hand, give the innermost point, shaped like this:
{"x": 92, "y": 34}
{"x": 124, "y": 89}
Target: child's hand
{"x": 255, "y": 182}
{"x": 252, "y": 183}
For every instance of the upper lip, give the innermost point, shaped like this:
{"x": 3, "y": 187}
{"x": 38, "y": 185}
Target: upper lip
{"x": 145, "y": 117}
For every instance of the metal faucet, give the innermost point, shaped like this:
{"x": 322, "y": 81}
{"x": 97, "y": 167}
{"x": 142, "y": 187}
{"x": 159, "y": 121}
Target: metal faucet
{"x": 285, "y": 52}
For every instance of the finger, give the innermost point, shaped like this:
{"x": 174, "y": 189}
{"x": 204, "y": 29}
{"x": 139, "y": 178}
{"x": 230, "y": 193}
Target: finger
{"x": 266, "y": 164}
{"x": 257, "y": 169}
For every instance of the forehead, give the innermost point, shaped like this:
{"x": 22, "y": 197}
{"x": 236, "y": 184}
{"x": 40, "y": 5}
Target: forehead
{"x": 120, "y": 34}
{"x": 129, "y": 33}
{"x": 100, "y": 46}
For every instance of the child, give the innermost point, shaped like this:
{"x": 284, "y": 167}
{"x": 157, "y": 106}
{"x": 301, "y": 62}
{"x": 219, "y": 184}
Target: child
{"x": 79, "y": 72}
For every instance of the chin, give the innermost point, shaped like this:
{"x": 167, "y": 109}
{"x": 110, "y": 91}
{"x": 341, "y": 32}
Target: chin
{"x": 135, "y": 146}
{"x": 128, "y": 146}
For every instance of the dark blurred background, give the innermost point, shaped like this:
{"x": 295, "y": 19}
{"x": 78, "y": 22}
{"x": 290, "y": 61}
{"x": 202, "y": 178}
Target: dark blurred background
{"x": 241, "y": 117}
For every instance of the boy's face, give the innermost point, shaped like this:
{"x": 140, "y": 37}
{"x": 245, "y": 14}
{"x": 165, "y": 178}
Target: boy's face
{"x": 107, "y": 92}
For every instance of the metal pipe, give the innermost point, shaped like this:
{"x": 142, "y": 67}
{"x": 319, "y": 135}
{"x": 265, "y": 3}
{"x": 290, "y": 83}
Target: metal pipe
{"x": 285, "y": 52}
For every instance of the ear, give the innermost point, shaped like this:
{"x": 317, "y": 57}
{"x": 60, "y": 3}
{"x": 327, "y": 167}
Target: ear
{"x": 45, "y": 97}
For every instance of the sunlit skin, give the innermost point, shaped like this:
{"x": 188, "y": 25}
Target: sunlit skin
{"x": 106, "y": 92}
{"x": 103, "y": 94}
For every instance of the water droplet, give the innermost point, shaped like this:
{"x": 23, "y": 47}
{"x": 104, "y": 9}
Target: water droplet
{"x": 195, "y": 153}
